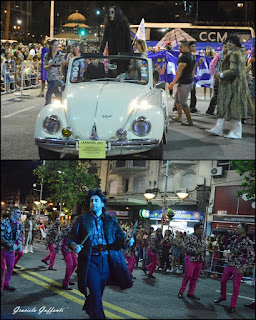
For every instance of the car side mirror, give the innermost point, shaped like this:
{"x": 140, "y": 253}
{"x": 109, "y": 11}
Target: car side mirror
{"x": 160, "y": 85}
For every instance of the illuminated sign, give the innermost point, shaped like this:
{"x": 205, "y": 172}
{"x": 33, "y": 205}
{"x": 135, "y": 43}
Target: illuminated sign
{"x": 179, "y": 215}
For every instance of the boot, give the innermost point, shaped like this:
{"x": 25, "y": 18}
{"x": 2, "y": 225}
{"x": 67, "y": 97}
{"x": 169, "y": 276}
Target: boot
{"x": 236, "y": 132}
{"x": 31, "y": 249}
{"x": 26, "y": 249}
{"x": 218, "y": 129}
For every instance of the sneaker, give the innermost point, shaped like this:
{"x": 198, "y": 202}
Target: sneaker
{"x": 187, "y": 124}
{"x": 66, "y": 287}
{"x": 144, "y": 270}
{"x": 168, "y": 270}
{"x": 9, "y": 288}
{"x": 71, "y": 283}
{"x": 45, "y": 262}
{"x": 204, "y": 98}
{"x": 210, "y": 113}
{"x": 175, "y": 119}
{"x": 160, "y": 269}
{"x": 52, "y": 269}
{"x": 16, "y": 267}
{"x": 173, "y": 270}
{"x": 193, "y": 110}
{"x": 180, "y": 295}
{"x": 151, "y": 276}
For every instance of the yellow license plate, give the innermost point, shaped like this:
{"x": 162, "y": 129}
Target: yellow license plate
{"x": 92, "y": 149}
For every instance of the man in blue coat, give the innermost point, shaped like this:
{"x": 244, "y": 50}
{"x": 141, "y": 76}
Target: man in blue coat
{"x": 100, "y": 258}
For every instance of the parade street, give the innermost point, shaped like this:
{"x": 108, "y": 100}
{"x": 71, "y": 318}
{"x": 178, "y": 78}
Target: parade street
{"x": 39, "y": 295}
{"x": 19, "y": 113}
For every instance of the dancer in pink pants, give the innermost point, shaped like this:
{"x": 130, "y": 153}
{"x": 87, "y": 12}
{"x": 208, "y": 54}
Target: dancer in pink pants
{"x": 195, "y": 250}
{"x": 129, "y": 257}
{"x": 154, "y": 252}
{"x": 50, "y": 243}
{"x": 11, "y": 240}
{"x": 70, "y": 257}
{"x": 241, "y": 256}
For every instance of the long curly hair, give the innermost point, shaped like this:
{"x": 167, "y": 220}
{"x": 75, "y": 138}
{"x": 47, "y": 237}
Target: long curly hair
{"x": 120, "y": 18}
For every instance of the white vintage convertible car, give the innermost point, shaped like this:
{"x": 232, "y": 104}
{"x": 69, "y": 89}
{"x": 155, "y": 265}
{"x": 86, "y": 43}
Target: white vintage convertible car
{"x": 111, "y": 99}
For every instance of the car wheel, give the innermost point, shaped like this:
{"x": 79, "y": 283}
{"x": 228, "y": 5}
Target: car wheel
{"x": 45, "y": 154}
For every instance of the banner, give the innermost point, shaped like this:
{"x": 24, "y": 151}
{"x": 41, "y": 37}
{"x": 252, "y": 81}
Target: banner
{"x": 166, "y": 63}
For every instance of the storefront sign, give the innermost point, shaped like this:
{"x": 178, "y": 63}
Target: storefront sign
{"x": 179, "y": 215}
{"x": 235, "y": 219}
{"x": 118, "y": 213}
{"x": 222, "y": 212}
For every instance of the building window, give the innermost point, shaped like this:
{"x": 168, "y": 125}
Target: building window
{"x": 125, "y": 185}
{"x": 120, "y": 163}
{"x": 113, "y": 185}
{"x": 139, "y": 163}
{"x": 189, "y": 181}
{"x": 139, "y": 185}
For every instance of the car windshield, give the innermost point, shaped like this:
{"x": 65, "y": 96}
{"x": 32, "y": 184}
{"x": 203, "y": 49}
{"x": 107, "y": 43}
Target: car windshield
{"x": 133, "y": 70}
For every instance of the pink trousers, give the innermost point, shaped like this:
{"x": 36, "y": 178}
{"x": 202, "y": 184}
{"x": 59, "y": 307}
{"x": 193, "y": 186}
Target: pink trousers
{"x": 228, "y": 271}
{"x": 152, "y": 266}
{"x": 7, "y": 259}
{"x": 18, "y": 256}
{"x": 51, "y": 256}
{"x": 71, "y": 263}
{"x": 192, "y": 273}
{"x": 131, "y": 262}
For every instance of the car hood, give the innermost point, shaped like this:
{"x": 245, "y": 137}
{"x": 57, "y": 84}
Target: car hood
{"x": 107, "y": 105}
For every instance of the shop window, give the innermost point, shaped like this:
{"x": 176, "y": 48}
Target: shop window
{"x": 113, "y": 185}
{"x": 189, "y": 181}
{"x": 139, "y": 185}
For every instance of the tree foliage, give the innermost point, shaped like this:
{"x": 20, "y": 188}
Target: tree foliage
{"x": 68, "y": 180}
{"x": 246, "y": 168}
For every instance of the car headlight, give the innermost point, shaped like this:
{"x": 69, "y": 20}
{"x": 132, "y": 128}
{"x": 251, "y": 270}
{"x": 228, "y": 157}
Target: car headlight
{"x": 51, "y": 124}
{"x": 141, "y": 126}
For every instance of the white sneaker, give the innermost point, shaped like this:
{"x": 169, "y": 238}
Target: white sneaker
{"x": 26, "y": 250}
{"x": 173, "y": 270}
{"x": 31, "y": 249}
{"x": 168, "y": 270}
{"x": 160, "y": 269}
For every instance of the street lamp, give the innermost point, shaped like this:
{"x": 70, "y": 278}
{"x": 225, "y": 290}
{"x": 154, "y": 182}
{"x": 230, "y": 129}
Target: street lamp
{"x": 19, "y": 21}
{"x": 98, "y": 20}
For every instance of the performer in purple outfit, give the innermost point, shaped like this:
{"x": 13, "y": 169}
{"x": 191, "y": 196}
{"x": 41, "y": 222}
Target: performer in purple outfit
{"x": 43, "y": 71}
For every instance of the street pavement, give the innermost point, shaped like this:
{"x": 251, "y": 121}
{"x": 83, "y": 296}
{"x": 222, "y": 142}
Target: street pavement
{"x": 39, "y": 295}
{"x": 19, "y": 113}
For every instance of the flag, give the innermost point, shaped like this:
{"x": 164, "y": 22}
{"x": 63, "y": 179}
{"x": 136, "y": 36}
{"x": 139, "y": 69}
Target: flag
{"x": 141, "y": 33}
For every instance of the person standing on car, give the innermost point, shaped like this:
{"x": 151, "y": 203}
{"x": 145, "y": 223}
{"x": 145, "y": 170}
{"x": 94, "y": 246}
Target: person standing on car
{"x": 98, "y": 238}
{"x": 52, "y": 64}
{"x": 185, "y": 78}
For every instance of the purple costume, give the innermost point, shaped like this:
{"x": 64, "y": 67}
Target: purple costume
{"x": 43, "y": 71}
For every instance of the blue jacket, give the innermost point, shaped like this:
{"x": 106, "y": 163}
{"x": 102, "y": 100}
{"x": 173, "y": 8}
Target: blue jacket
{"x": 116, "y": 240}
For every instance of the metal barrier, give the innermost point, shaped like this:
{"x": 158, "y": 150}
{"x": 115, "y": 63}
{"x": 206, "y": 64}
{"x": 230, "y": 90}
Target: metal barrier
{"x": 217, "y": 267}
{"x": 8, "y": 75}
{"x": 27, "y": 75}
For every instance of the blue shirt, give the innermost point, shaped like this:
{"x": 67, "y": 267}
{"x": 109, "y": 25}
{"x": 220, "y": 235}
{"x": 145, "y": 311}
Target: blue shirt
{"x": 98, "y": 232}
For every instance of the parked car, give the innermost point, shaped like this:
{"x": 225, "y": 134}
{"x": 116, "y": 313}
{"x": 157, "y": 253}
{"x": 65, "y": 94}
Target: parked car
{"x": 106, "y": 98}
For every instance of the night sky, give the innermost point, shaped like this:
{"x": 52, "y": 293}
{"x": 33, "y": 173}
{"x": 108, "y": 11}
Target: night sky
{"x": 17, "y": 175}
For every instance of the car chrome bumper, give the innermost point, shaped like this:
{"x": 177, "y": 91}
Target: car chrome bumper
{"x": 65, "y": 145}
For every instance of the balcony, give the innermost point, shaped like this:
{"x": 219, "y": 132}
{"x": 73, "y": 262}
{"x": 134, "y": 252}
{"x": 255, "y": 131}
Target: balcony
{"x": 125, "y": 166}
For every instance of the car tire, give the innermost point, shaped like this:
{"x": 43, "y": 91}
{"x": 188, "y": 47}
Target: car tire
{"x": 45, "y": 154}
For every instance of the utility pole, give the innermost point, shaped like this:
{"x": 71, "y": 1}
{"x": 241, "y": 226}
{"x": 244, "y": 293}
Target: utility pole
{"x": 52, "y": 20}
{"x": 196, "y": 11}
{"x": 7, "y": 21}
